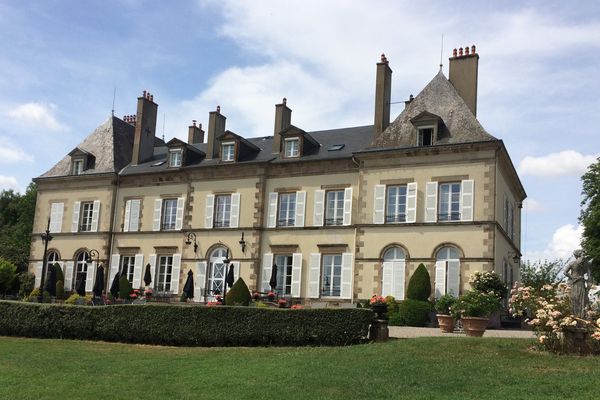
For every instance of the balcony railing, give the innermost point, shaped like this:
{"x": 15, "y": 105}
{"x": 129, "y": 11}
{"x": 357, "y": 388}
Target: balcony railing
{"x": 286, "y": 222}
{"x": 221, "y": 223}
{"x": 449, "y": 216}
{"x": 394, "y": 218}
{"x": 334, "y": 221}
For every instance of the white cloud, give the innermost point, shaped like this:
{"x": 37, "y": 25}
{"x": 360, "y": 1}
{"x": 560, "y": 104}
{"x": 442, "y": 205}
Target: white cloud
{"x": 564, "y": 241}
{"x": 11, "y": 154}
{"x": 9, "y": 182}
{"x": 568, "y": 162}
{"x": 534, "y": 206}
{"x": 36, "y": 114}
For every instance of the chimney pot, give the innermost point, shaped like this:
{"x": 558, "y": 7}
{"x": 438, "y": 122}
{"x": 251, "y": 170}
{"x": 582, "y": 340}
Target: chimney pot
{"x": 219, "y": 109}
{"x": 144, "y": 94}
{"x": 467, "y": 50}
{"x": 284, "y": 101}
{"x": 460, "y": 51}
{"x": 193, "y": 122}
{"x": 473, "y": 49}
{"x": 454, "y": 53}
{"x": 200, "y": 125}
{"x": 463, "y": 71}
{"x": 151, "y": 97}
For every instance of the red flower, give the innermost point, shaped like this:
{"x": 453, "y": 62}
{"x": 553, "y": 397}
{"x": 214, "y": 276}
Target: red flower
{"x": 282, "y": 301}
{"x": 296, "y": 307}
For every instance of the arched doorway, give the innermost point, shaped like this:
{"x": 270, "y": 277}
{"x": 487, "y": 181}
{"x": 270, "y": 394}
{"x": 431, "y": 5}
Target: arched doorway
{"x": 447, "y": 271}
{"x": 393, "y": 277}
{"x": 81, "y": 267}
{"x": 216, "y": 271}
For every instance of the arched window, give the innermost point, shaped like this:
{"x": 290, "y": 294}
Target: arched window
{"x": 51, "y": 258}
{"x": 447, "y": 271}
{"x": 81, "y": 267}
{"x": 216, "y": 271}
{"x": 393, "y": 277}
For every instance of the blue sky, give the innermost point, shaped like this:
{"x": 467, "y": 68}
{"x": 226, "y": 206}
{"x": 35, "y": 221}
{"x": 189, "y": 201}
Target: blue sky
{"x": 538, "y": 78}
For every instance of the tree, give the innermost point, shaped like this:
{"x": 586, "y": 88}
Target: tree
{"x": 590, "y": 217}
{"x": 8, "y": 272}
{"x": 16, "y": 224}
{"x": 540, "y": 273}
{"x": 419, "y": 285}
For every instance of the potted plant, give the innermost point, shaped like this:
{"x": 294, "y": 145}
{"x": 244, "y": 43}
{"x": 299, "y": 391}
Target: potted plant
{"x": 474, "y": 309}
{"x": 282, "y": 303}
{"x": 148, "y": 294}
{"x": 271, "y": 296}
{"x": 379, "y": 306}
{"x": 444, "y": 306}
{"x": 490, "y": 282}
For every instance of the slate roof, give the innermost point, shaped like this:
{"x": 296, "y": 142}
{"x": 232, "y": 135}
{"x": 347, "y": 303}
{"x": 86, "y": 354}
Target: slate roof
{"x": 439, "y": 97}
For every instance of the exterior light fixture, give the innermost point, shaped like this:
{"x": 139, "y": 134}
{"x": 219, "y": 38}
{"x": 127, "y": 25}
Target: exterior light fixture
{"x": 46, "y": 237}
{"x": 243, "y": 243}
{"x": 91, "y": 255}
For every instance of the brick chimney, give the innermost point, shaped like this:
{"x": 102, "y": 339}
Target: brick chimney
{"x": 383, "y": 93}
{"x": 283, "y": 119}
{"x": 463, "y": 75}
{"x": 195, "y": 133}
{"x": 216, "y": 127}
{"x": 145, "y": 129}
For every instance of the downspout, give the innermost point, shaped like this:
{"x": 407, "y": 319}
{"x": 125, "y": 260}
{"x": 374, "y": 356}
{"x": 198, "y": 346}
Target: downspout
{"x": 111, "y": 229}
{"x": 355, "y": 229}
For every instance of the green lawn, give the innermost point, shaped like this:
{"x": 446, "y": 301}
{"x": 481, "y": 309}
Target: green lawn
{"x": 427, "y": 368}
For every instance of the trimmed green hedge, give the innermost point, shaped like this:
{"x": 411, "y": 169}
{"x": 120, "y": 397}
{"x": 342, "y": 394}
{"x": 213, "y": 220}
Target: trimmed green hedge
{"x": 179, "y": 325}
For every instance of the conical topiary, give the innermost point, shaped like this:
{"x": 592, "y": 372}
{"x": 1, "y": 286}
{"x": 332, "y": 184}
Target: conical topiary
{"x": 124, "y": 287}
{"x": 419, "y": 285}
{"x": 238, "y": 295}
{"x": 59, "y": 272}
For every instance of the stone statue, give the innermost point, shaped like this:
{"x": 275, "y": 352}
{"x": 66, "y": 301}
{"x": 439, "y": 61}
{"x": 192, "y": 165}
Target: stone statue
{"x": 576, "y": 272}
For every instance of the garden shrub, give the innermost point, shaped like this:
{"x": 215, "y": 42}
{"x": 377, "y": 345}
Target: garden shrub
{"x": 72, "y": 299}
{"x": 124, "y": 287}
{"x": 414, "y": 312}
{"x": 8, "y": 272}
{"x": 179, "y": 325}
{"x": 183, "y": 298}
{"x": 34, "y": 294}
{"x": 239, "y": 294}
{"x": 26, "y": 284}
{"x": 59, "y": 273}
{"x": 419, "y": 285}
{"x": 60, "y": 290}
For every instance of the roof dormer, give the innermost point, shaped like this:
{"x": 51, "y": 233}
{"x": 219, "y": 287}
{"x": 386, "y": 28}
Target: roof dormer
{"x": 427, "y": 127}
{"x": 235, "y": 148}
{"x": 296, "y": 143}
{"x": 81, "y": 161}
{"x": 180, "y": 153}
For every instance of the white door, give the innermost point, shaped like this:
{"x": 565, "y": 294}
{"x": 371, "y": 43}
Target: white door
{"x": 216, "y": 274}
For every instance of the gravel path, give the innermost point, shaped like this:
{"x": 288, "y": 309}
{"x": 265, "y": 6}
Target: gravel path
{"x": 405, "y": 332}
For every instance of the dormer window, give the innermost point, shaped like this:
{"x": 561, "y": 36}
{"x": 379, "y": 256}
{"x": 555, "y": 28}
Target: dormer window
{"x": 175, "y": 158}
{"x": 291, "y": 147}
{"x": 228, "y": 151}
{"x": 425, "y": 136}
{"x": 77, "y": 166}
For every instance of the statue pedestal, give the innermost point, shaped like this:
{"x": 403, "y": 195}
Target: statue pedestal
{"x": 379, "y": 331}
{"x": 576, "y": 340}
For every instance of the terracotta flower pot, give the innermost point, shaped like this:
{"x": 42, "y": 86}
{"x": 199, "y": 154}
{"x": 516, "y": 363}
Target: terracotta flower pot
{"x": 379, "y": 310}
{"x": 446, "y": 323}
{"x": 474, "y": 326}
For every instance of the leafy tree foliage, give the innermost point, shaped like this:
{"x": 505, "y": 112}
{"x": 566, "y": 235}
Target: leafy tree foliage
{"x": 419, "y": 285}
{"x": 590, "y": 216}
{"x": 16, "y": 224}
{"x": 8, "y": 272}
{"x": 541, "y": 273}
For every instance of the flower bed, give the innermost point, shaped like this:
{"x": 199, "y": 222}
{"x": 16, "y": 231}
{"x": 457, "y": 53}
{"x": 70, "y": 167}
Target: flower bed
{"x": 166, "y": 324}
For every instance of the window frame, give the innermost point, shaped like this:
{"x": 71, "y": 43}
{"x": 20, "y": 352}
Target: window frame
{"x": 432, "y": 129}
{"x": 449, "y": 215}
{"x": 228, "y": 156}
{"x": 164, "y": 273}
{"x": 164, "y": 224}
{"x": 331, "y": 275}
{"x": 290, "y": 211}
{"x": 294, "y": 152}
{"x": 128, "y": 267}
{"x": 221, "y": 221}
{"x": 85, "y": 216}
{"x": 393, "y": 219}
{"x": 284, "y": 264}
{"x": 79, "y": 161}
{"x": 173, "y": 153}
{"x": 338, "y": 209}
{"x": 80, "y": 268}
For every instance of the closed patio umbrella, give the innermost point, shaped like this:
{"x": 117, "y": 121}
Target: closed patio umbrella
{"x": 50, "y": 285}
{"x": 147, "y": 275}
{"x": 229, "y": 279}
{"x": 80, "y": 289}
{"x": 188, "y": 288}
{"x": 273, "y": 280}
{"x": 114, "y": 287}
{"x": 99, "y": 284}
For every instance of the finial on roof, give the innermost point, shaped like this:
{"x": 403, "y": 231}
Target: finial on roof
{"x": 284, "y": 101}
{"x": 384, "y": 58}
{"x": 218, "y": 109}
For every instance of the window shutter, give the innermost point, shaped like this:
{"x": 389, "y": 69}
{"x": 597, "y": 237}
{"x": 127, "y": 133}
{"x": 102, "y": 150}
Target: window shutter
{"x": 179, "y": 216}
{"x": 399, "y": 268}
{"x": 127, "y": 216}
{"x": 319, "y": 211}
{"x": 440, "y": 279}
{"x": 387, "y": 279}
{"x": 134, "y": 218}
{"x": 296, "y": 274}
{"x": 347, "y": 206}
{"x": 38, "y": 273}
{"x": 314, "y": 275}
{"x": 200, "y": 281}
{"x": 453, "y": 277}
{"x": 431, "y": 202}
{"x": 114, "y": 268}
{"x": 209, "y": 211}
{"x": 347, "y": 276}
{"x": 69, "y": 275}
{"x": 411, "y": 202}
{"x": 95, "y": 215}
{"x": 152, "y": 262}
{"x": 156, "y": 215}
{"x": 89, "y": 276}
{"x": 466, "y": 200}
{"x": 175, "y": 273}
{"x": 272, "y": 213}
{"x": 510, "y": 221}
{"x": 75, "y": 220}
{"x": 300, "y": 207}
{"x": 138, "y": 266}
{"x": 56, "y": 215}
{"x": 267, "y": 267}
{"x": 379, "y": 205}
{"x": 236, "y": 271}
{"x": 234, "y": 220}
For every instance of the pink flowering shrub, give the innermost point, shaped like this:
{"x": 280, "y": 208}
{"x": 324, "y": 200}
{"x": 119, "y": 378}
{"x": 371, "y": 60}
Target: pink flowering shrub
{"x": 547, "y": 311}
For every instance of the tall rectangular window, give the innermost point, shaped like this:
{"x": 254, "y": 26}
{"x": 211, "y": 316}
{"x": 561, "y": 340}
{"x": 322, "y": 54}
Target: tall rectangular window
{"x": 286, "y": 215}
{"x": 284, "y": 274}
{"x": 222, "y": 211}
{"x": 332, "y": 275}
{"x": 165, "y": 269}
{"x": 228, "y": 151}
{"x": 169, "y": 214}
{"x": 87, "y": 209}
{"x": 175, "y": 158}
{"x": 396, "y": 204}
{"x": 425, "y": 137}
{"x": 334, "y": 213}
{"x": 291, "y": 147}
{"x": 77, "y": 166}
{"x": 127, "y": 263}
{"x": 449, "y": 202}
